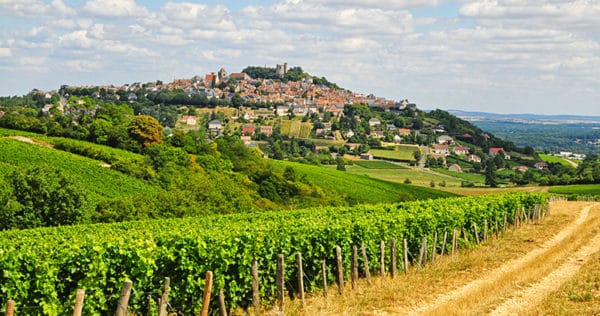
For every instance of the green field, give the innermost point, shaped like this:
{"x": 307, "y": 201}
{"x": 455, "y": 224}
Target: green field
{"x": 417, "y": 177}
{"x": 327, "y": 142}
{"x": 400, "y": 153}
{"x": 475, "y": 178}
{"x": 377, "y": 164}
{"x": 358, "y": 188}
{"x": 554, "y": 159}
{"x": 579, "y": 189}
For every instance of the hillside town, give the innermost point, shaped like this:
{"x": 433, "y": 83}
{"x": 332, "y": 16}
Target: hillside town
{"x": 291, "y": 115}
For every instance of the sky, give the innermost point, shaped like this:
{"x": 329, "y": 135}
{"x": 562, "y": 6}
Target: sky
{"x": 502, "y": 56}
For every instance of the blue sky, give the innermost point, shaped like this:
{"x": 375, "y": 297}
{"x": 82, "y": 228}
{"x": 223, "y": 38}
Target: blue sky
{"x": 501, "y": 56}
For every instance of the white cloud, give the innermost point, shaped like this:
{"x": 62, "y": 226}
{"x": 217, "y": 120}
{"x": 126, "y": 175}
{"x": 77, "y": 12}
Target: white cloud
{"x": 22, "y": 7}
{"x": 115, "y": 8}
{"x": 77, "y": 39}
{"x": 97, "y": 31}
{"x": 550, "y": 13}
{"x": 71, "y": 23}
{"x": 35, "y": 8}
{"x": 381, "y": 4}
{"x": 329, "y": 20}
{"x": 5, "y": 52}
{"x": 59, "y": 8}
{"x": 83, "y": 65}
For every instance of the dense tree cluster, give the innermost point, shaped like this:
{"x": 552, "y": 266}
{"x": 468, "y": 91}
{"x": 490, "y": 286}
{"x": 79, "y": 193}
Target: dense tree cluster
{"x": 39, "y": 196}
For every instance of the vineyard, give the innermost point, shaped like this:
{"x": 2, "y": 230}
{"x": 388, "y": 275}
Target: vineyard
{"x": 94, "y": 180}
{"x": 44, "y": 267}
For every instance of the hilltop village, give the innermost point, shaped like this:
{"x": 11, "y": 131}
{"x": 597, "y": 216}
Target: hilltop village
{"x": 286, "y": 113}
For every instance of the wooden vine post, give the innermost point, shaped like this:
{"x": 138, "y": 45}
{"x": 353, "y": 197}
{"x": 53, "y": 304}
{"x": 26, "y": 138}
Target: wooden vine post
{"x": 164, "y": 299}
{"x": 340, "y": 269}
{"x": 393, "y": 257}
{"x": 497, "y": 229}
{"x": 454, "y": 240}
{"x": 366, "y": 263}
{"x": 485, "y": 229}
{"x": 324, "y": 272}
{"x": 354, "y": 275}
{"x": 280, "y": 282}
{"x": 255, "y": 289}
{"x": 124, "y": 299}
{"x": 476, "y": 233}
{"x": 79, "y": 302}
{"x": 222, "y": 306}
{"x": 10, "y": 308}
{"x": 405, "y": 253}
{"x": 382, "y": 259}
{"x": 300, "y": 278}
{"x": 434, "y": 247}
{"x": 207, "y": 293}
{"x": 444, "y": 243}
{"x": 423, "y": 252}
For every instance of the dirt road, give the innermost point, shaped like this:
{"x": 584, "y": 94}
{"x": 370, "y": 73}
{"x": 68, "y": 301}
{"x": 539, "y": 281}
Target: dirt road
{"x": 522, "y": 283}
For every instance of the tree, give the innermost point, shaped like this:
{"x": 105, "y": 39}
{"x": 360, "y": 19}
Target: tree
{"x": 340, "y": 164}
{"x": 417, "y": 155}
{"x": 289, "y": 174}
{"x": 145, "y": 130}
{"x": 41, "y": 196}
{"x": 490, "y": 173}
{"x": 236, "y": 100}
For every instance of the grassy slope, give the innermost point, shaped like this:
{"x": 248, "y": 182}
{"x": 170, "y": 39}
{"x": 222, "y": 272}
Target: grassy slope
{"x": 554, "y": 159}
{"x": 96, "y": 181}
{"x": 417, "y": 177}
{"x": 360, "y": 188}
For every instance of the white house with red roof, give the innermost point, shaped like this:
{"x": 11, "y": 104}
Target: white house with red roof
{"x": 496, "y": 150}
{"x": 404, "y": 131}
{"x": 189, "y": 120}
{"x": 441, "y": 150}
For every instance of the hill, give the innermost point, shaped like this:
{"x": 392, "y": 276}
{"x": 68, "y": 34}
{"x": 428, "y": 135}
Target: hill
{"x": 540, "y": 118}
{"x": 119, "y": 185}
{"x": 215, "y": 132}
{"x": 357, "y": 188}
{"x": 94, "y": 178}
{"x": 578, "y": 134}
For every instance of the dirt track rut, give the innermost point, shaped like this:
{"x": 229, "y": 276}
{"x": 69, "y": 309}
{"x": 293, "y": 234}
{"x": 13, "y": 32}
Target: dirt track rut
{"x": 522, "y": 298}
